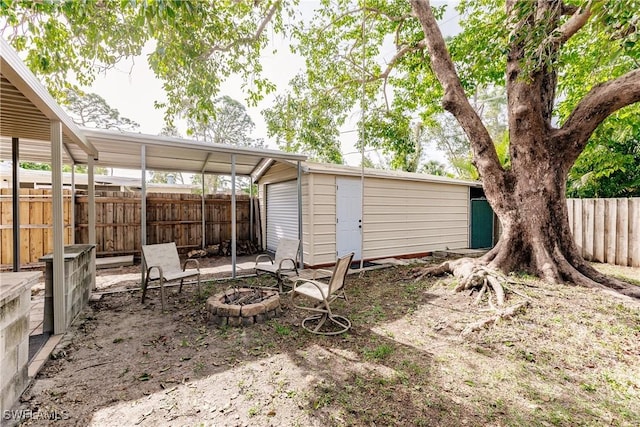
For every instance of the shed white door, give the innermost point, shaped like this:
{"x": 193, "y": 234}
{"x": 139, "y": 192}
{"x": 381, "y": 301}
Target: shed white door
{"x": 282, "y": 212}
{"x": 348, "y": 217}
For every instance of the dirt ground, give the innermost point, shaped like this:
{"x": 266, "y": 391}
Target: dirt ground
{"x": 572, "y": 357}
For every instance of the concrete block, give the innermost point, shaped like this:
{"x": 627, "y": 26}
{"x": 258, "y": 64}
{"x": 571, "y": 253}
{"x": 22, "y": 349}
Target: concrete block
{"x": 16, "y": 331}
{"x": 11, "y": 391}
{"x": 9, "y": 310}
{"x": 9, "y": 366}
{"x": 23, "y": 352}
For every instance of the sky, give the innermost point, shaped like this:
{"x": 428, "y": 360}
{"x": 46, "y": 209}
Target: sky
{"x": 132, "y": 88}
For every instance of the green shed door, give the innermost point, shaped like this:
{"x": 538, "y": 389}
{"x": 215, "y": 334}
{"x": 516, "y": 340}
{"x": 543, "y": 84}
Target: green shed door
{"x": 481, "y": 224}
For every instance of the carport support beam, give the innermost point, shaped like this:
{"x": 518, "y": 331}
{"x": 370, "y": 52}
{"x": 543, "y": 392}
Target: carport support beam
{"x": 59, "y": 302}
{"x": 301, "y": 247}
{"x": 204, "y": 229}
{"x": 233, "y": 216}
{"x": 143, "y": 207}
{"x": 91, "y": 191}
{"x": 251, "y": 209}
{"x": 73, "y": 205}
{"x": 15, "y": 191}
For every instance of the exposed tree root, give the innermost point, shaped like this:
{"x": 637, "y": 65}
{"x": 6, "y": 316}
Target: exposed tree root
{"x": 500, "y": 314}
{"x": 472, "y": 274}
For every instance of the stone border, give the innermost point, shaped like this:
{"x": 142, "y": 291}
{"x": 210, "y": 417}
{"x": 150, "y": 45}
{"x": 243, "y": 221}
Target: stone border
{"x": 222, "y": 314}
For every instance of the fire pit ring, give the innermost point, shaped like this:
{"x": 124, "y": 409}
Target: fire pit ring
{"x": 243, "y": 306}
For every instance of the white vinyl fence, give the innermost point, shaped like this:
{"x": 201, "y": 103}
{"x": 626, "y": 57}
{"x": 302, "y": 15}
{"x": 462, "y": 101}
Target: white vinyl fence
{"x": 607, "y": 230}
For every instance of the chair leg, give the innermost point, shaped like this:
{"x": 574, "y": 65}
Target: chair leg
{"x": 163, "y": 297}
{"x": 318, "y": 321}
{"x": 180, "y": 288}
{"x": 199, "y": 290}
{"x": 144, "y": 287}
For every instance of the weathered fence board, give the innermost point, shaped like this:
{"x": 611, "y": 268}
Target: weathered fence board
{"x": 36, "y": 224}
{"x": 607, "y": 230}
{"x": 170, "y": 218}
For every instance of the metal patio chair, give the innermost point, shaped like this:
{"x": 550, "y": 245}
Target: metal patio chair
{"x": 163, "y": 263}
{"x": 282, "y": 264}
{"x": 323, "y": 294}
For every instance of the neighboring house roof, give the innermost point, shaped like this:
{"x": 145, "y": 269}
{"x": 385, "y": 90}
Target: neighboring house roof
{"x": 43, "y": 178}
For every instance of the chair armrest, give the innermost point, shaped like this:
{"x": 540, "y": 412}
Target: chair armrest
{"x": 280, "y": 266}
{"x": 184, "y": 265}
{"x": 160, "y": 274}
{"x": 259, "y": 257}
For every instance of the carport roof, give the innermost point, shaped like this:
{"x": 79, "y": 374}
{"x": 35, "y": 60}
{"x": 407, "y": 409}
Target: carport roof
{"x": 162, "y": 153}
{"x": 27, "y": 110}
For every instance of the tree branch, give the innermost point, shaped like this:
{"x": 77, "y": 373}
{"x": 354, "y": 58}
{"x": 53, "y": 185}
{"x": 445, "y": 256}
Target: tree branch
{"x": 245, "y": 40}
{"x": 602, "y": 101}
{"x": 578, "y": 19}
{"x": 455, "y": 101}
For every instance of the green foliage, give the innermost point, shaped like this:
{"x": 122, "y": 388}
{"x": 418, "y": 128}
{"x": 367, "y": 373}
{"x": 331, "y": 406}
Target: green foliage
{"x": 610, "y": 164}
{"x": 364, "y": 59}
{"x": 35, "y": 166}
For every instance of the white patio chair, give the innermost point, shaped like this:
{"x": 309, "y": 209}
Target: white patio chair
{"x": 163, "y": 264}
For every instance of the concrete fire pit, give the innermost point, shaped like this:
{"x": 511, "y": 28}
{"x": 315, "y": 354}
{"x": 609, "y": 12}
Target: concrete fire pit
{"x": 243, "y": 306}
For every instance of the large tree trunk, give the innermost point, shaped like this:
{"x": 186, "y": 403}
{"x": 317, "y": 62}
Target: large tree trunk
{"x": 529, "y": 196}
{"x": 536, "y": 236}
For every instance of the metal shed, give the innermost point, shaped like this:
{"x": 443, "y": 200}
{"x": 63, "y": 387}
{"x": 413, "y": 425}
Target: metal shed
{"x": 372, "y": 212}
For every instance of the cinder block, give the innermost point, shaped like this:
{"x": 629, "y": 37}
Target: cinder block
{"x": 23, "y": 352}
{"x": 16, "y": 331}
{"x": 9, "y": 364}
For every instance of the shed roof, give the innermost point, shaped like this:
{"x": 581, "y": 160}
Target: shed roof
{"x": 356, "y": 171}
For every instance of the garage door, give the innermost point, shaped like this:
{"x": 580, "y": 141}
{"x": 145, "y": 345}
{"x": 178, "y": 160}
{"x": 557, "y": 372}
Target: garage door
{"x": 282, "y": 212}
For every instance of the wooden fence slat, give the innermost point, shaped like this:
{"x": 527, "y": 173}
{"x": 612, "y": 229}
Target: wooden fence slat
{"x": 36, "y": 241}
{"x": 622, "y": 232}
{"x": 599, "y": 231}
{"x": 611, "y": 214}
{"x": 577, "y": 225}
{"x": 588, "y": 210}
{"x": 634, "y": 232}
{"x": 6, "y": 217}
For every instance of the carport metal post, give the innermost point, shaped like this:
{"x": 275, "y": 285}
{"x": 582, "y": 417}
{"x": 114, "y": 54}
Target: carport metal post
{"x": 73, "y": 205}
{"x": 59, "y": 302}
{"x": 251, "y": 209}
{"x": 233, "y": 216}
{"x": 91, "y": 190}
{"x": 301, "y": 246}
{"x": 15, "y": 191}
{"x": 204, "y": 242}
{"x": 143, "y": 207}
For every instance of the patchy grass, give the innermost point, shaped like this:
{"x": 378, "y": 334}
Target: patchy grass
{"x": 571, "y": 358}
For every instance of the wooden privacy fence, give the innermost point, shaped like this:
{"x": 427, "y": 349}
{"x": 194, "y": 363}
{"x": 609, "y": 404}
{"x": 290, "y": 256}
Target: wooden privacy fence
{"x": 170, "y": 218}
{"x": 36, "y": 224}
{"x": 607, "y": 230}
